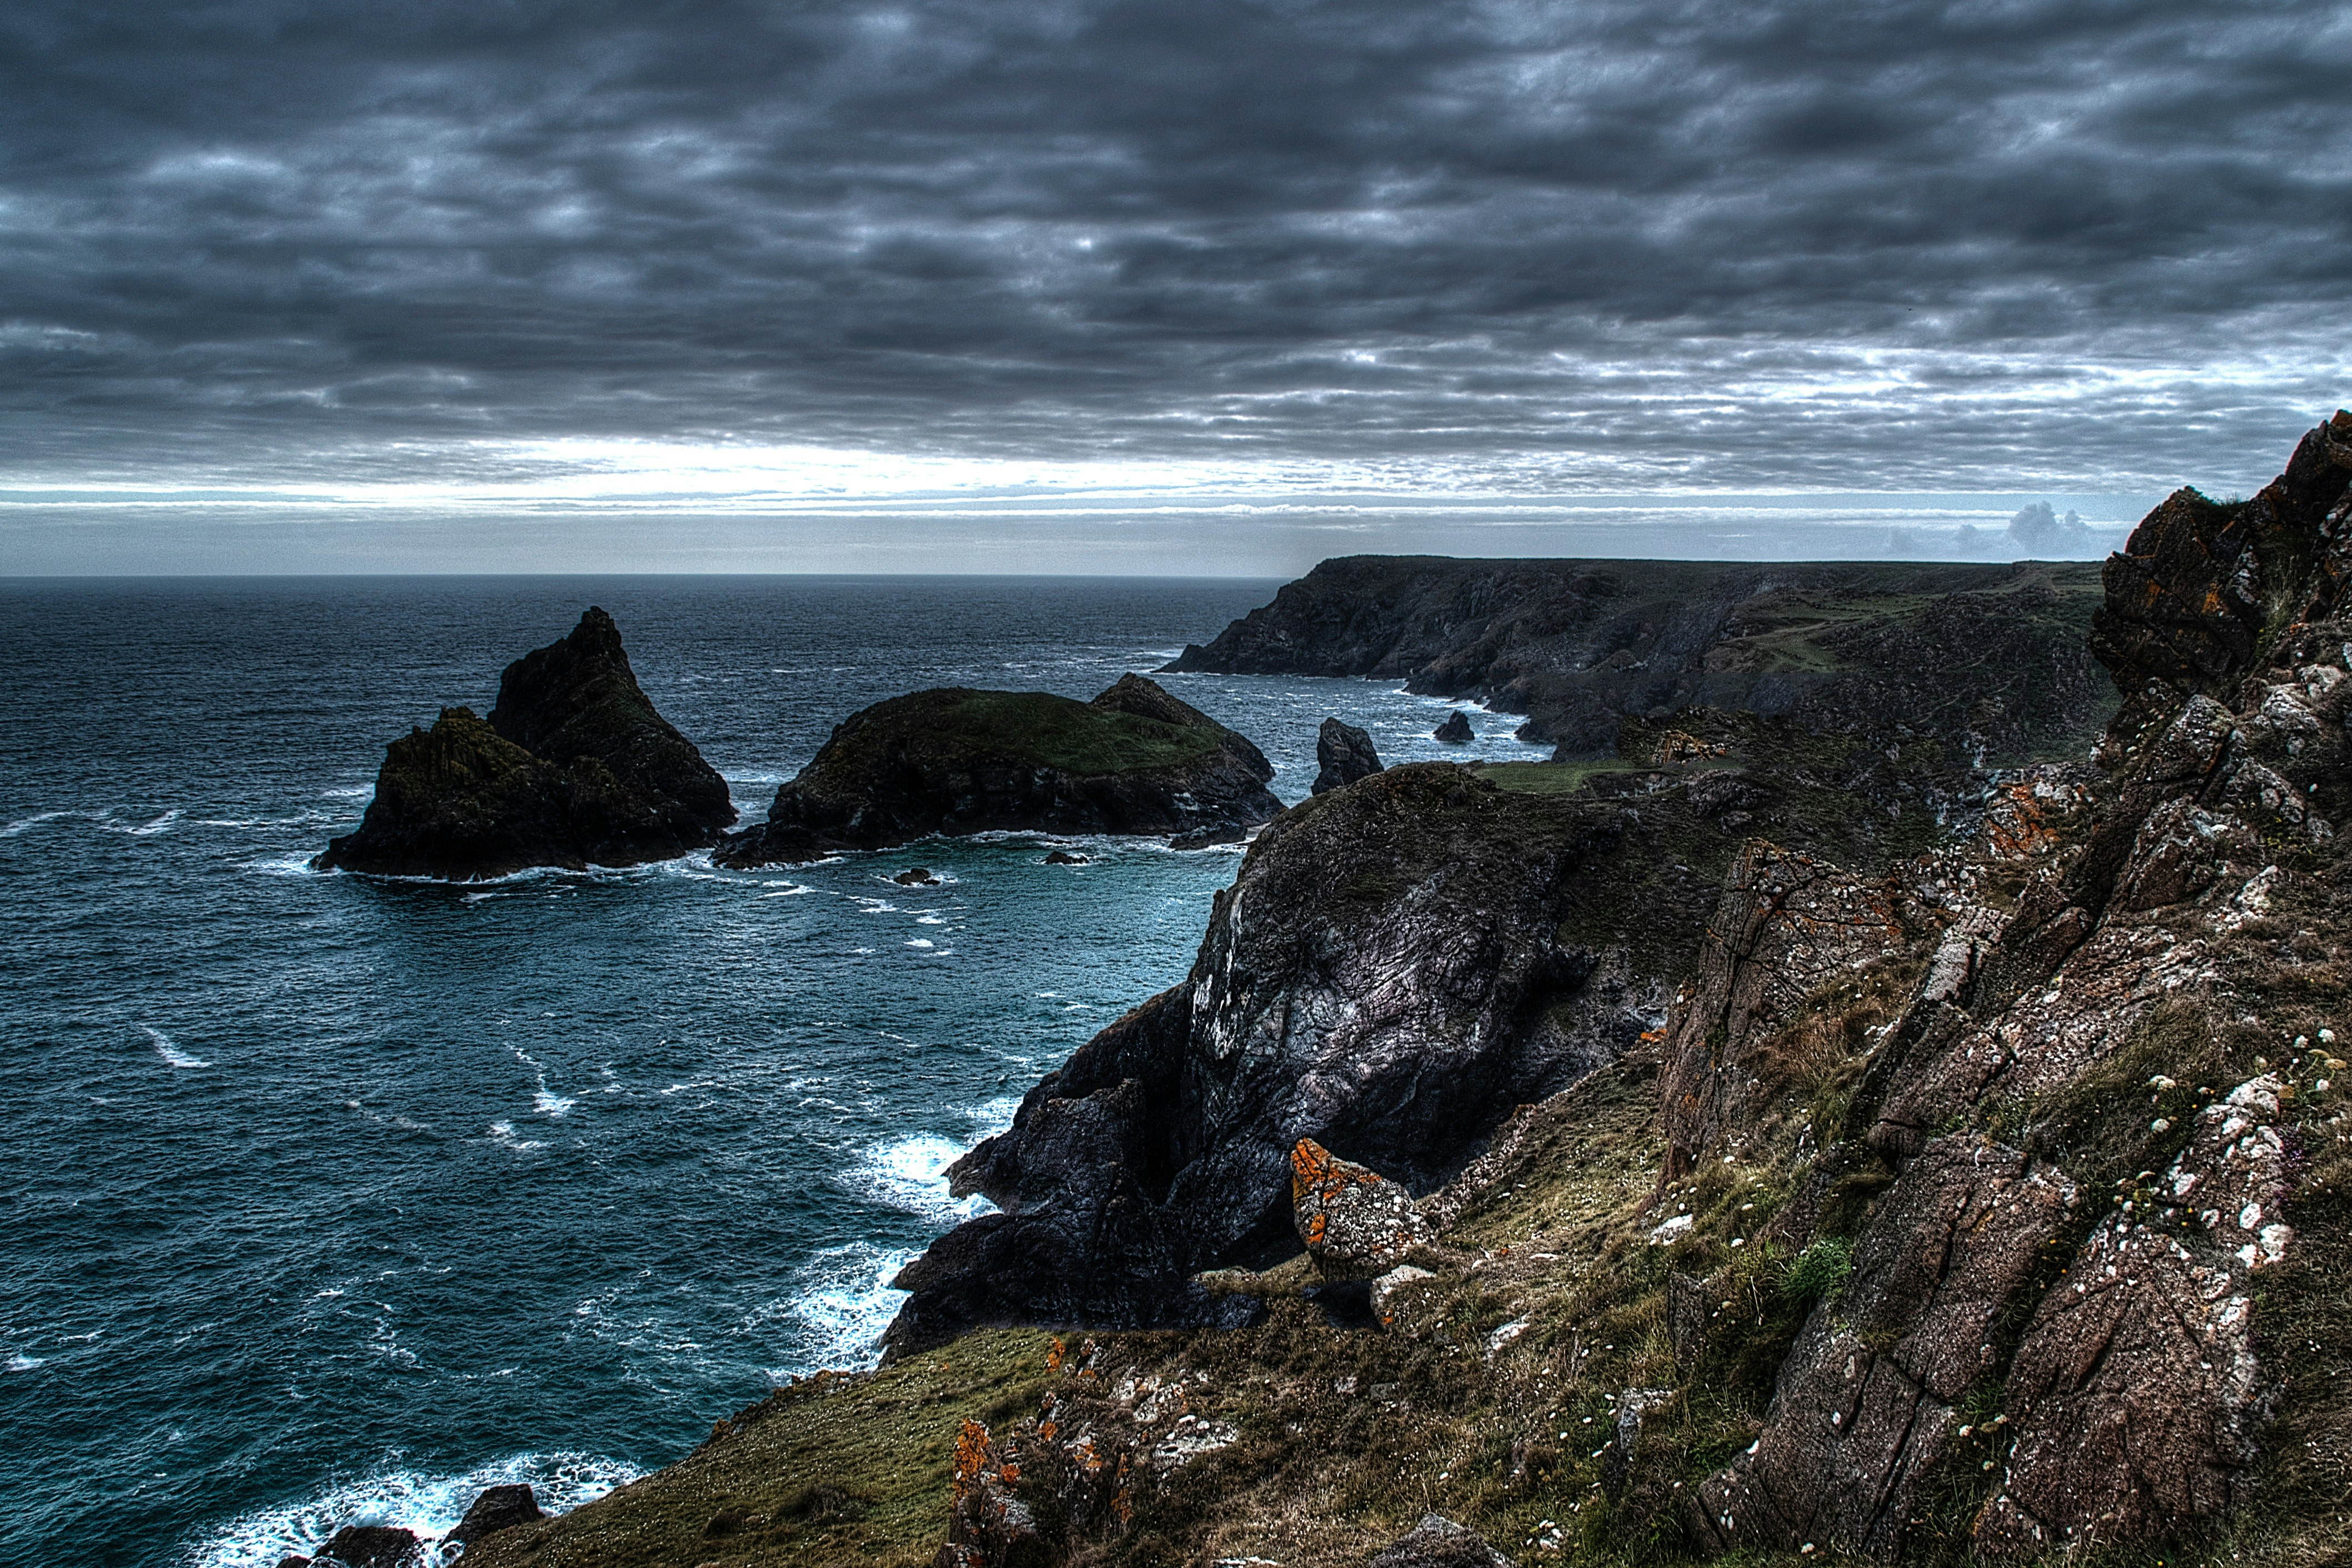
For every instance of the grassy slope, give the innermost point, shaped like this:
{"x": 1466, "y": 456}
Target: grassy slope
{"x": 958, "y": 725}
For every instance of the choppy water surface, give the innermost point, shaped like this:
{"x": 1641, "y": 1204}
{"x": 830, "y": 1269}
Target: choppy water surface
{"x": 329, "y": 1197}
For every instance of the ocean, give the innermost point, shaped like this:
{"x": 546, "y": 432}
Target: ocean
{"x": 333, "y": 1199}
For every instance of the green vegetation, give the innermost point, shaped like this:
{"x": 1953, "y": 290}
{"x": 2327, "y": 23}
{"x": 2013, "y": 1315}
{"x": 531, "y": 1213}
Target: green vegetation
{"x": 1034, "y": 729}
{"x": 1550, "y": 778}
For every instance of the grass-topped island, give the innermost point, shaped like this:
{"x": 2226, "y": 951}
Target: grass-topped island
{"x": 955, "y": 760}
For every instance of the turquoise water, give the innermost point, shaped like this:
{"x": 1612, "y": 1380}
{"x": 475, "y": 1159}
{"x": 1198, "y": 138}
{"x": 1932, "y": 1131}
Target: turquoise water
{"x": 330, "y": 1198}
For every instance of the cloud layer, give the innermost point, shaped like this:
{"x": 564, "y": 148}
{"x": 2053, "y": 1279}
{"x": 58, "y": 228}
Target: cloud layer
{"x": 1615, "y": 244}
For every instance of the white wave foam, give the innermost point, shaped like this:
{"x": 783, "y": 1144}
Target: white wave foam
{"x": 35, "y": 820}
{"x": 168, "y": 1051}
{"x": 429, "y": 1504}
{"x": 844, "y": 1303}
{"x": 911, "y": 1174}
{"x": 921, "y": 942}
{"x": 293, "y": 863}
{"x": 503, "y": 1133}
{"x": 23, "y": 1363}
{"x": 350, "y": 792}
{"x": 548, "y": 1104}
{"x": 159, "y": 825}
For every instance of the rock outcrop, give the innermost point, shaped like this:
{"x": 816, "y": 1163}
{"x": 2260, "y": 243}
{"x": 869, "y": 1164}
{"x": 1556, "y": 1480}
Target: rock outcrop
{"x": 1354, "y": 1222}
{"x": 956, "y": 762}
{"x": 1988, "y": 660}
{"x": 1456, "y": 730}
{"x": 499, "y": 1508}
{"x": 1438, "y": 1542}
{"x": 573, "y": 768}
{"x": 2081, "y": 1180}
{"x": 1343, "y": 753}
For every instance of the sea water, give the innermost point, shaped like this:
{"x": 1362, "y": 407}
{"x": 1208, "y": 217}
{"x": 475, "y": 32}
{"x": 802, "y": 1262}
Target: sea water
{"x": 331, "y": 1198}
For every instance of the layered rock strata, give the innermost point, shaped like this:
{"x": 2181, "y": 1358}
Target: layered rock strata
{"x": 956, "y": 762}
{"x": 573, "y": 768}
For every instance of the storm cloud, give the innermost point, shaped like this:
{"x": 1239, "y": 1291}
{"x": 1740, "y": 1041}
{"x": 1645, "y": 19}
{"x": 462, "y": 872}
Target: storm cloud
{"x": 1614, "y": 244}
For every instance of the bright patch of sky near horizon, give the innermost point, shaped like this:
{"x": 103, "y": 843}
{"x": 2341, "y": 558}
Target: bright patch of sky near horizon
{"x": 1129, "y": 285}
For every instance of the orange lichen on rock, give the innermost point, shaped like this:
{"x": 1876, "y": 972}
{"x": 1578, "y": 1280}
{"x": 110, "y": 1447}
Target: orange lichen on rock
{"x": 1355, "y": 1222}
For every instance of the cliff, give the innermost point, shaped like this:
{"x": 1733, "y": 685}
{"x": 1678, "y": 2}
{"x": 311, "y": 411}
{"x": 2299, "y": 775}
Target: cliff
{"x": 573, "y": 768}
{"x": 954, "y": 761}
{"x": 1990, "y": 659}
{"x": 1978, "y": 1196}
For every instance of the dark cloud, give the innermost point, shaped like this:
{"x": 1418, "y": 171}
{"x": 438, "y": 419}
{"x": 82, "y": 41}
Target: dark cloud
{"x": 1795, "y": 242}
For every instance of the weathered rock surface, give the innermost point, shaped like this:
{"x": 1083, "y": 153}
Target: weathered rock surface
{"x": 1456, "y": 730}
{"x": 1438, "y": 1542}
{"x": 371, "y": 1546}
{"x": 956, "y": 762}
{"x": 2133, "y": 1391}
{"x": 1389, "y": 976}
{"x": 499, "y": 1508}
{"x": 573, "y": 768}
{"x": 1353, "y": 1222}
{"x": 1989, "y": 660}
{"x": 1343, "y": 753}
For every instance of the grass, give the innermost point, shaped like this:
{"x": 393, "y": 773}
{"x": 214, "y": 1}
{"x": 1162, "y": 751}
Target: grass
{"x": 1038, "y": 729}
{"x": 1551, "y": 778}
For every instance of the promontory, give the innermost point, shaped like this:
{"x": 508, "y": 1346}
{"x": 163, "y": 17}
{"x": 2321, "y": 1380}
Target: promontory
{"x": 954, "y": 761}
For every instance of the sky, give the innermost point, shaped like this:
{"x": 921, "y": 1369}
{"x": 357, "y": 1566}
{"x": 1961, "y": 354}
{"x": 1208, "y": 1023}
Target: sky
{"x": 1151, "y": 286}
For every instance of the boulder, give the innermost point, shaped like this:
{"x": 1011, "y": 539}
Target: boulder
{"x": 1355, "y": 1223}
{"x": 1209, "y": 837}
{"x": 1456, "y": 730}
{"x": 499, "y": 1508}
{"x": 917, "y": 876}
{"x": 370, "y": 1546}
{"x": 1064, "y": 857}
{"x": 1438, "y": 1542}
{"x": 957, "y": 761}
{"x": 1343, "y": 753}
{"x": 573, "y": 768}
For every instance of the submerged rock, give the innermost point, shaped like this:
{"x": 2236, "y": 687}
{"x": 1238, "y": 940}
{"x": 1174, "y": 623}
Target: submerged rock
{"x": 1343, "y": 753}
{"x": 573, "y": 768}
{"x": 955, "y": 760}
{"x": 1456, "y": 730}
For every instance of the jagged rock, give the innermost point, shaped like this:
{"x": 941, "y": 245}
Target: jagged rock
{"x": 371, "y": 1546}
{"x": 2137, "y": 1395}
{"x": 917, "y": 876}
{"x": 1580, "y": 645}
{"x": 956, "y": 762}
{"x": 1456, "y": 730}
{"x": 1355, "y": 1223}
{"x": 1634, "y": 1408}
{"x": 1343, "y": 753}
{"x": 1863, "y": 1416}
{"x": 573, "y": 768}
{"x": 989, "y": 1525}
{"x": 499, "y": 1508}
{"x": 1788, "y": 923}
{"x": 1438, "y": 1542}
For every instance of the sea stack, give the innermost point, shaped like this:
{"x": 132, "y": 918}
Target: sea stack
{"x": 573, "y": 768}
{"x": 957, "y": 761}
{"x": 1343, "y": 753}
{"x": 1456, "y": 730}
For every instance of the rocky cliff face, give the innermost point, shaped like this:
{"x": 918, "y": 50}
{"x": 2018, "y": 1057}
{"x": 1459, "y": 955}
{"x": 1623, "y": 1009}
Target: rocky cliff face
{"x": 573, "y": 768}
{"x": 1134, "y": 761}
{"x": 1990, "y": 659}
{"x": 1983, "y": 1199}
